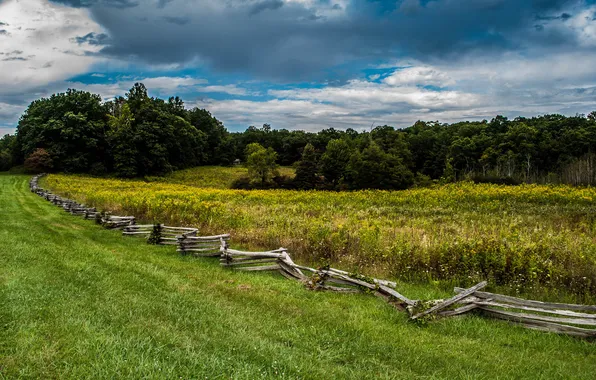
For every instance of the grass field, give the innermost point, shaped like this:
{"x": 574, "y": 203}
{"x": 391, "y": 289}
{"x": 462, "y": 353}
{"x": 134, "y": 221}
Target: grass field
{"x": 529, "y": 240}
{"x": 218, "y": 177}
{"x": 77, "y": 301}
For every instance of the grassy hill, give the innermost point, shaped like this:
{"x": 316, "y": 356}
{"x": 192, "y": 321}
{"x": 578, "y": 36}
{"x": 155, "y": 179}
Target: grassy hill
{"x": 78, "y": 301}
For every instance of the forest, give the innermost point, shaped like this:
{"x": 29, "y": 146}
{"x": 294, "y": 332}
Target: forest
{"x": 137, "y": 135}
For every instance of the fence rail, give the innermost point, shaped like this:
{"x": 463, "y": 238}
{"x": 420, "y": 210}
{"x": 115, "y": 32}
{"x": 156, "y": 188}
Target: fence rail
{"x": 570, "y": 319}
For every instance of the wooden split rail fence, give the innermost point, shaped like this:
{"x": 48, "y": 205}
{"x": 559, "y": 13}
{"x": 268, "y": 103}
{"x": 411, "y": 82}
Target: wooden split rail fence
{"x": 570, "y": 319}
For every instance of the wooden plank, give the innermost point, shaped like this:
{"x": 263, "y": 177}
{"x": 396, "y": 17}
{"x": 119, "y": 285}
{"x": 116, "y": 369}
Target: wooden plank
{"x": 258, "y": 261}
{"x": 338, "y": 281}
{"x": 393, "y": 293}
{"x": 292, "y": 271}
{"x": 240, "y": 259}
{"x": 286, "y": 274}
{"x": 214, "y": 237}
{"x": 351, "y": 280}
{"x": 545, "y": 318}
{"x": 291, "y": 267}
{"x": 458, "y": 311}
{"x": 543, "y": 326}
{"x": 180, "y": 228}
{"x": 199, "y": 244}
{"x": 566, "y": 313}
{"x": 553, "y": 329}
{"x": 389, "y": 284}
{"x": 259, "y": 268}
{"x": 450, "y": 301}
{"x": 201, "y": 249}
{"x": 232, "y": 253}
{"x": 530, "y": 303}
{"x": 307, "y": 268}
{"x": 337, "y": 289}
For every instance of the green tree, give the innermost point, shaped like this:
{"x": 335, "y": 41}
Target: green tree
{"x": 375, "y": 169}
{"x": 261, "y": 163}
{"x": 121, "y": 137}
{"x": 334, "y": 161}
{"x": 306, "y": 169}
{"x": 217, "y": 137}
{"x": 70, "y": 126}
{"x": 149, "y": 136}
{"x": 520, "y": 143}
{"x": 6, "y": 147}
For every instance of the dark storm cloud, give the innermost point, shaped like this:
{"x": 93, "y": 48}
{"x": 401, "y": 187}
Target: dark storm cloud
{"x": 177, "y": 20}
{"x": 90, "y": 3}
{"x": 563, "y": 16}
{"x": 15, "y": 59}
{"x": 289, "y": 41}
{"x": 266, "y": 5}
{"x": 162, "y": 3}
{"x": 92, "y": 39}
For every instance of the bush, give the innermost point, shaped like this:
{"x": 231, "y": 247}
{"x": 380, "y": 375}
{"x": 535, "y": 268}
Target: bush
{"x": 496, "y": 180}
{"x": 277, "y": 182}
{"x": 5, "y": 160}
{"x": 421, "y": 180}
{"x": 39, "y": 161}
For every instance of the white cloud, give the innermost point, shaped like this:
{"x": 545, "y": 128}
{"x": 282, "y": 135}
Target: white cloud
{"x": 512, "y": 86}
{"x": 164, "y": 86}
{"x": 582, "y": 24}
{"x": 365, "y": 95}
{"x": 419, "y": 76}
{"x": 226, "y": 89}
{"x": 294, "y": 114}
{"x": 40, "y": 45}
{"x": 565, "y": 69}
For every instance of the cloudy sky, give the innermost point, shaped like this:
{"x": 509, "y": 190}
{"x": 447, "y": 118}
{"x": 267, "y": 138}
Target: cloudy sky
{"x": 308, "y": 64}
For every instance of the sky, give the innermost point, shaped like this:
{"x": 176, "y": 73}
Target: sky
{"x": 307, "y": 64}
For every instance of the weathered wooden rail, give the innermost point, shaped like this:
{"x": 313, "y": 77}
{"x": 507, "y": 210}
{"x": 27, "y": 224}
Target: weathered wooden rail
{"x": 159, "y": 233}
{"x": 570, "y": 319}
{"x": 205, "y": 246}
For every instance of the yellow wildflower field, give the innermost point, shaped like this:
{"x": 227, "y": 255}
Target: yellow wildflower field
{"x": 521, "y": 237}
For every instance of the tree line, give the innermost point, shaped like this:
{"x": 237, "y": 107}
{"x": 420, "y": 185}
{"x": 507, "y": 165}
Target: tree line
{"x": 137, "y": 135}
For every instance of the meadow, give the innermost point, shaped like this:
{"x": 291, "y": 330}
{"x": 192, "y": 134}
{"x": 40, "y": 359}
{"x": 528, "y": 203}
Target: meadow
{"x": 80, "y": 302}
{"x": 219, "y": 177}
{"x": 528, "y": 240}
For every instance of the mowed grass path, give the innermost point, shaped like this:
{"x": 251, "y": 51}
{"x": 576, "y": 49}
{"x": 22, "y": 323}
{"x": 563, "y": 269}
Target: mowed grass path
{"x": 78, "y": 301}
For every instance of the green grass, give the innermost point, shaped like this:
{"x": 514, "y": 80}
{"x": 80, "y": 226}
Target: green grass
{"x": 218, "y": 177}
{"x": 77, "y": 301}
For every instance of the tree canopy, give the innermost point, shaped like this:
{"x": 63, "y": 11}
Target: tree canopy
{"x": 137, "y": 135}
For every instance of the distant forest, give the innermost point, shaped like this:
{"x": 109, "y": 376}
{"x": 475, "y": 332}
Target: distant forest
{"x": 137, "y": 135}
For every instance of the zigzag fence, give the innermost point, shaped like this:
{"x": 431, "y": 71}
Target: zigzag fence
{"x": 570, "y": 319}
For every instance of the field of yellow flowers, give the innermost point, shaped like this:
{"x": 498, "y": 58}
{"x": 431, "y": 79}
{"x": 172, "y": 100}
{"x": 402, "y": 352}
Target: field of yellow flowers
{"x": 520, "y": 237}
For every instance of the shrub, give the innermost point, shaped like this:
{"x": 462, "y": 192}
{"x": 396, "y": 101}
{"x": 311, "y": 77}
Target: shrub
{"x": 39, "y": 161}
{"x": 496, "y": 180}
